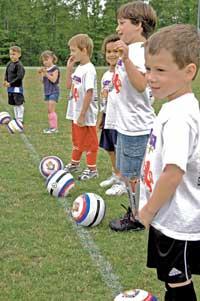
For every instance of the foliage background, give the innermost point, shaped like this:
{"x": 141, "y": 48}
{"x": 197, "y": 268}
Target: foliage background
{"x": 37, "y": 25}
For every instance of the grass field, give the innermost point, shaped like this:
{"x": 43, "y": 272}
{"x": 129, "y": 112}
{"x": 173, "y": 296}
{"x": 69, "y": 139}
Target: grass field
{"x": 44, "y": 256}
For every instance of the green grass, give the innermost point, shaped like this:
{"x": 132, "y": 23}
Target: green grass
{"x": 41, "y": 254}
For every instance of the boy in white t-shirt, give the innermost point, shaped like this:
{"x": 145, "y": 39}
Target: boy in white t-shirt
{"x": 82, "y": 106}
{"x": 135, "y": 115}
{"x": 172, "y": 161}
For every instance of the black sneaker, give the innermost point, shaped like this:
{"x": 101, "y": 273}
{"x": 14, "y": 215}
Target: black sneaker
{"x": 127, "y": 223}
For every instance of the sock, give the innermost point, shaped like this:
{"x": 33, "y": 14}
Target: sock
{"x": 53, "y": 120}
{"x": 180, "y": 293}
{"x": 15, "y": 112}
{"x": 19, "y": 112}
{"x": 91, "y": 158}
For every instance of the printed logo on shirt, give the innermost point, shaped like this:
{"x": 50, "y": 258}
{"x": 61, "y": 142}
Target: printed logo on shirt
{"x": 75, "y": 93}
{"x": 148, "y": 175}
{"x": 147, "y": 171}
{"x": 151, "y": 143}
{"x": 76, "y": 79}
{"x": 116, "y": 82}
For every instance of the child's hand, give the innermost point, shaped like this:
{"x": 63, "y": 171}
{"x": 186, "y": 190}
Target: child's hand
{"x": 81, "y": 120}
{"x": 145, "y": 216}
{"x": 99, "y": 124}
{"x": 70, "y": 62}
{"x": 6, "y": 84}
{"x": 42, "y": 71}
{"x": 122, "y": 49}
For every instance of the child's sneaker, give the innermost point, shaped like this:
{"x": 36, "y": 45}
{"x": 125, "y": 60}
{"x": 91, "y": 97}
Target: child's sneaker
{"x": 127, "y": 223}
{"x": 110, "y": 181}
{"x": 50, "y": 131}
{"x": 117, "y": 189}
{"x": 88, "y": 174}
{"x": 70, "y": 167}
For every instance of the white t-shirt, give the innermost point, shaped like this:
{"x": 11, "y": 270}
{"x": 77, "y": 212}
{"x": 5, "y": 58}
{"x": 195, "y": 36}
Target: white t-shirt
{"x": 83, "y": 79}
{"x": 111, "y": 103}
{"x": 135, "y": 114}
{"x": 175, "y": 139}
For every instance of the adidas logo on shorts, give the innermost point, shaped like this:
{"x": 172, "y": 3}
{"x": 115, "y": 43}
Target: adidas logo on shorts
{"x": 174, "y": 272}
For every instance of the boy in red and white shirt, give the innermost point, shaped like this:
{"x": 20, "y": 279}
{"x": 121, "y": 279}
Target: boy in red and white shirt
{"x": 82, "y": 106}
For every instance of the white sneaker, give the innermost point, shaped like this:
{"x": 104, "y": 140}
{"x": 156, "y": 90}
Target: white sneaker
{"x": 117, "y": 189}
{"x": 88, "y": 174}
{"x": 110, "y": 181}
{"x": 50, "y": 131}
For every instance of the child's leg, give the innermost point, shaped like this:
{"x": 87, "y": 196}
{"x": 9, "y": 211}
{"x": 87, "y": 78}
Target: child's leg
{"x": 112, "y": 156}
{"x": 91, "y": 159}
{"x": 76, "y": 150}
{"x": 180, "y": 291}
{"x": 91, "y": 147}
{"x": 52, "y": 116}
{"x": 19, "y": 112}
{"x": 15, "y": 112}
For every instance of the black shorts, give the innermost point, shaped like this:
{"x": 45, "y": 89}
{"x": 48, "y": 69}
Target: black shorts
{"x": 175, "y": 260}
{"x": 108, "y": 138}
{"x": 15, "y": 99}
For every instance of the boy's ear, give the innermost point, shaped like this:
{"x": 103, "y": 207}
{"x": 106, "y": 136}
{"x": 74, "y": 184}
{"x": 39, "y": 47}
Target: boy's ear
{"x": 84, "y": 50}
{"x": 191, "y": 70}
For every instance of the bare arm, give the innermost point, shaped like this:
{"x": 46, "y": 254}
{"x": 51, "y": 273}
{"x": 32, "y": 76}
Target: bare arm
{"x": 86, "y": 104}
{"x": 136, "y": 78}
{"x": 69, "y": 70}
{"x": 163, "y": 191}
{"x": 53, "y": 76}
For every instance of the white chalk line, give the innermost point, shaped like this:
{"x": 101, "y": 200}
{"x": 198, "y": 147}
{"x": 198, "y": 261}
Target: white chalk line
{"x": 104, "y": 267}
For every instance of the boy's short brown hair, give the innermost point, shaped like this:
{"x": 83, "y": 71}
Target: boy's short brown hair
{"x": 138, "y": 11}
{"x": 16, "y": 49}
{"x": 111, "y": 38}
{"x": 82, "y": 41}
{"x": 181, "y": 40}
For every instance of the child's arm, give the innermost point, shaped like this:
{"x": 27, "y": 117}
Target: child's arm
{"x": 165, "y": 187}
{"x": 69, "y": 70}
{"x": 53, "y": 76}
{"x": 100, "y": 121}
{"x": 86, "y": 104}
{"x": 136, "y": 78}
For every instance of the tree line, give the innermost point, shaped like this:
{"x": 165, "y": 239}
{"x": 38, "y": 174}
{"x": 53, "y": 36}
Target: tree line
{"x": 38, "y": 25}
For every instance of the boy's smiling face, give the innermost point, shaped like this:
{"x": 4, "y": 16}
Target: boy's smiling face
{"x": 165, "y": 77}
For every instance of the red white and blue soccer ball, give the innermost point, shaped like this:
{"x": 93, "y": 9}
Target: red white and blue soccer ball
{"x": 5, "y": 118}
{"x": 88, "y": 209}
{"x": 15, "y": 126}
{"x": 49, "y": 165}
{"x": 60, "y": 183}
{"x": 135, "y": 295}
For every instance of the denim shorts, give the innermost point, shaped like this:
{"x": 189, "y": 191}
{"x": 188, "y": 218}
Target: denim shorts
{"x": 53, "y": 96}
{"x": 130, "y": 152}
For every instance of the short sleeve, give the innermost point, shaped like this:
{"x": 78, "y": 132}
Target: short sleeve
{"x": 178, "y": 141}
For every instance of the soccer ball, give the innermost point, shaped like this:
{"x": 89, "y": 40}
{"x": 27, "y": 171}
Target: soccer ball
{"x": 4, "y": 118}
{"x": 60, "y": 183}
{"x": 15, "y": 126}
{"x": 88, "y": 209}
{"x": 135, "y": 295}
{"x": 49, "y": 165}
